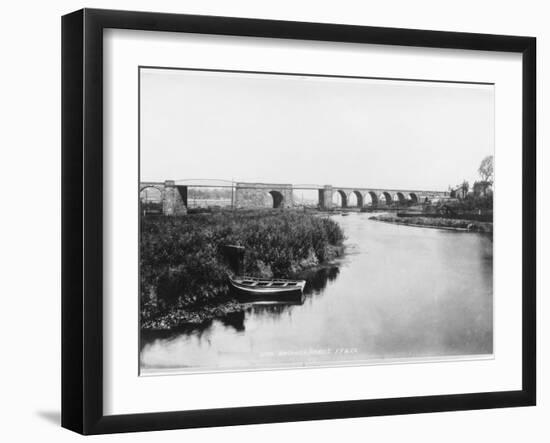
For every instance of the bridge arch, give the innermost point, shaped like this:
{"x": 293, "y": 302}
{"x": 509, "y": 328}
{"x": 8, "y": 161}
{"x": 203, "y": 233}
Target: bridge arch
{"x": 367, "y": 199}
{"x": 278, "y": 199}
{"x": 343, "y": 198}
{"x": 373, "y": 197}
{"x": 150, "y": 192}
{"x": 151, "y": 199}
{"x": 413, "y": 197}
{"x": 401, "y": 198}
{"x": 144, "y": 186}
{"x": 387, "y": 198}
{"x": 359, "y": 198}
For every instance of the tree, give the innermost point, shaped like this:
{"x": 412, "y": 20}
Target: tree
{"x": 486, "y": 169}
{"x": 481, "y": 188}
{"x": 465, "y": 187}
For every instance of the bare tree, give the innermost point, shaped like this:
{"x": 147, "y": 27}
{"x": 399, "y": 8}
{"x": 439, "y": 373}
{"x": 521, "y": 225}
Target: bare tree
{"x": 486, "y": 169}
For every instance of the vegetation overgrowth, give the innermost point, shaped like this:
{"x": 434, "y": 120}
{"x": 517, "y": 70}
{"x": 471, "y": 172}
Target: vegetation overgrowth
{"x": 182, "y": 265}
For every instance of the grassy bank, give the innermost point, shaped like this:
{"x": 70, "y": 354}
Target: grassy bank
{"x": 183, "y": 275}
{"x": 437, "y": 222}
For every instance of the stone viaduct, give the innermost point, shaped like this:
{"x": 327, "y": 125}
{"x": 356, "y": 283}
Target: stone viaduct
{"x": 264, "y": 195}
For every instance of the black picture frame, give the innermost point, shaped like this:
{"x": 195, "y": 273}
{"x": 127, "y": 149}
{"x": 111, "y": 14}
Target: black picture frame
{"x": 82, "y": 216}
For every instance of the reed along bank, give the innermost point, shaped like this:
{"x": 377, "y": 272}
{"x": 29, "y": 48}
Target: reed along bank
{"x": 183, "y": 272}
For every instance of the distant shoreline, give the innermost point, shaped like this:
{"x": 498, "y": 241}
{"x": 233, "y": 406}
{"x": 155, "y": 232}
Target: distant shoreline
{"x": 450, "y": 224}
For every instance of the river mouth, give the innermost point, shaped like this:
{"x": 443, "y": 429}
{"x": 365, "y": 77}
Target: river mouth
{"x": 400, "y": 293}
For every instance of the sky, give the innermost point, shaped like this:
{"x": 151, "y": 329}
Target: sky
{"x": 312, "y": 130}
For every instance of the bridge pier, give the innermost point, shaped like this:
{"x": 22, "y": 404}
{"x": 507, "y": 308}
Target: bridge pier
{"x": 325, "y": 197}
{"x": 174, "y": 199}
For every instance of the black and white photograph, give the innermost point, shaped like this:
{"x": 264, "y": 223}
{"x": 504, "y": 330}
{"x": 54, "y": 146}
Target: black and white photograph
{"x": 292, "y": 220}
{"x": 266, "y": 222}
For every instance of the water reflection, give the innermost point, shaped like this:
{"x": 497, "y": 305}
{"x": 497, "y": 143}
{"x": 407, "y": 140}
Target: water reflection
{"x": 318, "y": 279}
{"x": 234, "y": 320}
{"x": 316, "y": 282}
{"x": 149, "y": 337}
{"x": 400, "y": 292}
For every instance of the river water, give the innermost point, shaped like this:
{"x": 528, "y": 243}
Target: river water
{"x": 400, "y": 293}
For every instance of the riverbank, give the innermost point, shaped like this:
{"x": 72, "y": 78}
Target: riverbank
{"x": 193, "y": 316}
{"x": 183, "y": 272}
{"x": 437, "y": 223}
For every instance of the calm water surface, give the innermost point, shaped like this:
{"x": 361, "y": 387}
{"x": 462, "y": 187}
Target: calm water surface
{"x": 400, "y": 292}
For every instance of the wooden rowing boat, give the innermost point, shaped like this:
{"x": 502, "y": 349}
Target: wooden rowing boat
{"x": 276, "y": 289}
